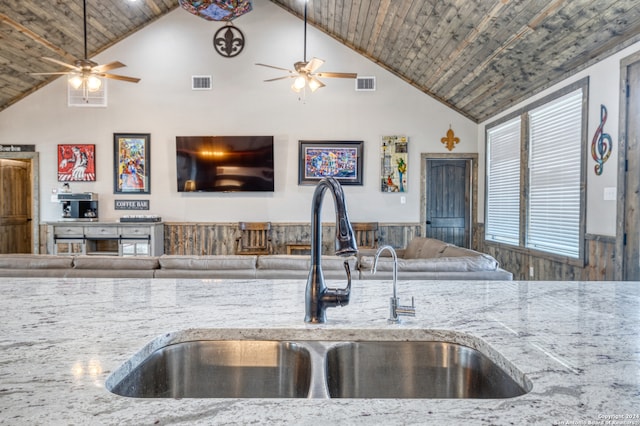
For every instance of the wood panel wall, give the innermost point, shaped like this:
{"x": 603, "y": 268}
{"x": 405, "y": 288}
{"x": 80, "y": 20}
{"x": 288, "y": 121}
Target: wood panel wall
{"x": 220, "y": 238}
{"x": 599, "y": 265}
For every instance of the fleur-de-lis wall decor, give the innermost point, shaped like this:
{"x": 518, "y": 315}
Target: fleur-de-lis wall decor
{"x": 450, "y": 140}
{"x": 228, "y": 41}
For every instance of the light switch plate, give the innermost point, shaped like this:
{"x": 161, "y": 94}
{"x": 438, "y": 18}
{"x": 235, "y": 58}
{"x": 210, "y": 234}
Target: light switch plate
{"x": 610, "y": 194}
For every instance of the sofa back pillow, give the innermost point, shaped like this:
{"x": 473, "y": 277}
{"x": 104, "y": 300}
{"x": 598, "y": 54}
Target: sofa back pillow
{"x": 208, "y": 262}
{"x": 440, "y": 264}
{"x": 35, "y": 261}
{"x": 284, "y": 262}
{"x": 424, "y": 248}
{"x": 115, "y": 262}
{"x": 454, "y": 251}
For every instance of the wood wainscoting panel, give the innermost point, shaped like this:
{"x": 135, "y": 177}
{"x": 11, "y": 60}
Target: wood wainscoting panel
{"x": 599, "y": 261}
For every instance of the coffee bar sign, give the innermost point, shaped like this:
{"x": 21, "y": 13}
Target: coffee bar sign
{"x": 132, "y": 204}
{"x": 17, "y": 148}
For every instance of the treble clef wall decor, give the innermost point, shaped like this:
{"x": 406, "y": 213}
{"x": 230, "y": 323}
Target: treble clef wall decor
{"x": 601, "y": 145}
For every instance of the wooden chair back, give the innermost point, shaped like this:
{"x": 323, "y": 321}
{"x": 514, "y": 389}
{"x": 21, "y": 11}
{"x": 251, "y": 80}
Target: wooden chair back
{"x": 366, "y": 234}
{"x": 254, "y": 238}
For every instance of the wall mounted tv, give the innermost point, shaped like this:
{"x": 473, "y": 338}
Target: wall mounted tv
{"x": 224, "y": 163}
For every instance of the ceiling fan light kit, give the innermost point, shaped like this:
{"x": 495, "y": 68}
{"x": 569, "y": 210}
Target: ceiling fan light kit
{"x": 305, "y": 74}
{"x": 85, "y": 73}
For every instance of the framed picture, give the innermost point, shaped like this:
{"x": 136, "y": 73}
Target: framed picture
{"x": 393, "y": 164}
{"x": 76, "y": 163}
{"x": 132, "y": 163}
{"x": 339, "y": 159}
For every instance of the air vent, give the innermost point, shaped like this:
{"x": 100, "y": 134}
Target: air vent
{"x": 365, "y": 84}
{"x": 84, "y": 98}
{"x": 201, "y": 82}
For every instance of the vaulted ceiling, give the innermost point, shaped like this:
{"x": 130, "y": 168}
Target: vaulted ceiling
{"x": 477, "y": 56}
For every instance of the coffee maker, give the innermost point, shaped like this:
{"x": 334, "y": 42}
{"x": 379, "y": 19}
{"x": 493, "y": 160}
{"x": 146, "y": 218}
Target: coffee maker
{"x": 79, "y": 206}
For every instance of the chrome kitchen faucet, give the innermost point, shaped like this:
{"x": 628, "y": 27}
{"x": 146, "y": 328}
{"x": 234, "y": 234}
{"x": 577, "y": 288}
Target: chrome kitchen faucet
{"x": 395, "y": 308}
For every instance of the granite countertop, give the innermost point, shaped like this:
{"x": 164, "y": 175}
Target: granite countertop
{"x": 577, "y": 342}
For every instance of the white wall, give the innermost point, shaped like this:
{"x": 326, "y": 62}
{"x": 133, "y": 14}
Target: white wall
{"x": 604, "y": 89}
{"x": 168, "y": 52}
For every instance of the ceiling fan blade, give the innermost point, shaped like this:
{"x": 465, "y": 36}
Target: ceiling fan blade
{"x": 281, "y": 78}
{"x": 313, "y": 65}
{"x": 118, "y": 77}
{"x": 64, "y": 64}
{"x": 337, "y": 74}
{"x": 275, "y": 68}
{"x": 51, "y": 73}
{"x": 108, "y": 67}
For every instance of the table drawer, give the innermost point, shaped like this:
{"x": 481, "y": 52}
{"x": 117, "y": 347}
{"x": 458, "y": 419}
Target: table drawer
{"x": 101, "y": 231}
{"x": 134, "y": 232}
{"x": 68, "y": 231}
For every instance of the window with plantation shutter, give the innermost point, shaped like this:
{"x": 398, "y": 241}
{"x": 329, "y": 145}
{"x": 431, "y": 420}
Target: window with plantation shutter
{"x": 555, "y": 141}
{"x": 535, "y": 176}
{"x": 503, "y": 183}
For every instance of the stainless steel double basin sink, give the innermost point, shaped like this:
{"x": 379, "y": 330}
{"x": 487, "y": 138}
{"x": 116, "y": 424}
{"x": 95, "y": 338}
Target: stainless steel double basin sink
{"x": 318, "y": 369}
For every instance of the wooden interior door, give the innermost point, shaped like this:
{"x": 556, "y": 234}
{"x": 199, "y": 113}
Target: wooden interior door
{"x": 15, "y": 206}
{"x": 631, "y": 155}
{"x": 448, "y": 201}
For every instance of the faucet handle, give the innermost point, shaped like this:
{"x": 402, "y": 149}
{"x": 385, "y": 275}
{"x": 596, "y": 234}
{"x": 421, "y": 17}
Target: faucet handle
{"x": 407, "y": 311}
{"x": 396, "y": 310}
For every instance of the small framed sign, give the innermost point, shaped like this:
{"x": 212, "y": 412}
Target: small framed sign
{"x": 131, "y": 204}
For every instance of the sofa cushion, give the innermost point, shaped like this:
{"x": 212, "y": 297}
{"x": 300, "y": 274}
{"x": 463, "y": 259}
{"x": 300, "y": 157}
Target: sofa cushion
{"x": 423, "y": 248}
{"x": 454, "y": 251}
{"x": 208, "y": 262}
{"x": 441, "y": 264}
{"x": 115, "y": 262}
{"x": 302, "y": 262}
{"x": 336, "y": 263}
{"x": 35, "y": 261}
{"x": 284, "y": 261}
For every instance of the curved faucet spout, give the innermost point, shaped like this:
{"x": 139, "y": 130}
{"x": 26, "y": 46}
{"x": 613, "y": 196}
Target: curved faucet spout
{"x": 395, "y": 309}
{"x": 395, "y": 266}
{"x": 317, "y": 296}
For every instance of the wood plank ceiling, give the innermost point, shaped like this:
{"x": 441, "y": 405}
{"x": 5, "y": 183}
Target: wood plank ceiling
{"x": 476, "y": 56}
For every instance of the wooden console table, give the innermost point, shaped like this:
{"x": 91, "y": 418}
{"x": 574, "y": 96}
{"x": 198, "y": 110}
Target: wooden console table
{"x": 107, "y": 238}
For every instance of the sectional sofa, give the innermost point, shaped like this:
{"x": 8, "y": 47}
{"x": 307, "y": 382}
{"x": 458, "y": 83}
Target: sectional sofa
{"x": 423, "y": 259}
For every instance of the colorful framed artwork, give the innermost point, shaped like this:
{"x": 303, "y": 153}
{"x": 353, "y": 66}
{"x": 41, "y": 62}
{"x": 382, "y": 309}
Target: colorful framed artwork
{"x": 76, "y": 163}
{"x": 393, "y": 164}
{"x": 132, "y": 163}
{"x": 339, "y": 159}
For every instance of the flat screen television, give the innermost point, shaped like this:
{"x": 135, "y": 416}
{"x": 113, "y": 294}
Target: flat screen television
{"x": 224, "y": 163}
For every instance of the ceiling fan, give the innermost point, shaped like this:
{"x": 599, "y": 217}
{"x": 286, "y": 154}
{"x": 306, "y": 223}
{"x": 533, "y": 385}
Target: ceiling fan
{"x": 85, "y": 73}
{"x": 304, "y": 71}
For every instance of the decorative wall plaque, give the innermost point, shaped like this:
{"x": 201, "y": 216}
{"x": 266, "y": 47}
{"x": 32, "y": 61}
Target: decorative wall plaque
{"x": 131, "y": 205}
{"x": 450, "y": 140}
{"x": 228, "y": 41}
{"x": 601, "y": 145}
